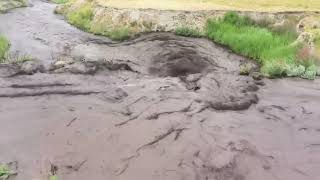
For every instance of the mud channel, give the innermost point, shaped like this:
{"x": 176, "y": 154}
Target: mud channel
{"x": 156, "y": 107}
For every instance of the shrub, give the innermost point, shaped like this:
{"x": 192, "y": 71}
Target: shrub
{"x": 188, "y": 32}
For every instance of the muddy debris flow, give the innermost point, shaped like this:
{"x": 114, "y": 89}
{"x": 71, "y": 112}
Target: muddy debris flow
{"x": 155, "y": 107}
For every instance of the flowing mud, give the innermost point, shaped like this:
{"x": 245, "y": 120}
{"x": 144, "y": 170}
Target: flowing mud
{"x": 157, "y": 107}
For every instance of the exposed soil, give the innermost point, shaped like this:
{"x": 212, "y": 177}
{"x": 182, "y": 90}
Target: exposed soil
{"x": 157, "y": 107}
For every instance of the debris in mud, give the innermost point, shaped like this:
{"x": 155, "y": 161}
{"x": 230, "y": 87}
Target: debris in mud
{"x": 163, "y": 136}
{"x": 71, "y": 65}
{"x": 76, "y": 166}
{"x": 70, "y": 123}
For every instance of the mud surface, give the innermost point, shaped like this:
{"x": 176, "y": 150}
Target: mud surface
{"x": 157, "y": 107}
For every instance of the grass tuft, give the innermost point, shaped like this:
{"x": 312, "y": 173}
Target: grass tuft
{"x": 188, "y": 32}
{"x": 5, "y": 172}
{"x": 4, "y": 47}
{"x": 119, "y": 34}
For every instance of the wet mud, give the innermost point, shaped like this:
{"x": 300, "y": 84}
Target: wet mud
{"x": 156, "y": 107}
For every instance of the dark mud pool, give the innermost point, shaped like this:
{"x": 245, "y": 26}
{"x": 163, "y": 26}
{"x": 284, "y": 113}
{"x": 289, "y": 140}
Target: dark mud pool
{"x": 158, "y": 107}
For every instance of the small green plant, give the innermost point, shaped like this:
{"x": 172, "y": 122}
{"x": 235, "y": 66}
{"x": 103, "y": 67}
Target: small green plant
{"x": 188, "y": 32}
{"x": 119, "y": 34}
{"x": 81, "y": 17}
{"x": 4, "y": 47}
{"x": 5, "y": 172}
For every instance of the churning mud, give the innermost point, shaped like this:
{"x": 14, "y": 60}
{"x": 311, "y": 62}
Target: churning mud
{"x": 156, "y": 107}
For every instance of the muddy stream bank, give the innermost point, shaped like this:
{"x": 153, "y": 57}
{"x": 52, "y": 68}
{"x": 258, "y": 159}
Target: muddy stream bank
{"x": 156, "y": 107}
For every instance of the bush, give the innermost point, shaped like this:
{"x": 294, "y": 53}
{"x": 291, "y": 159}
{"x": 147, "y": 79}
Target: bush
{"x": 273, "y": 51}
{"x": 4, "y": 46}
{"x": 188, "y": 32}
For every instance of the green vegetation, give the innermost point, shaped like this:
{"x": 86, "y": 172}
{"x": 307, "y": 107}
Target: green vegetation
{"x": 5, "y": 172}
{"x": 276, "y": 52}
{"x": 119, "y": 34}
{"x": 60, "y": 1}
{"x": 81, "y": 17}
{"x": 4, "y": 46}
{"x": 188, "y": 32}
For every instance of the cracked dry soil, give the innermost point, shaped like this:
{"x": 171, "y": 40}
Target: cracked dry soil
{"x": 157, "y": 107}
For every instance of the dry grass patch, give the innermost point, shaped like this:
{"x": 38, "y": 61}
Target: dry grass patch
{"x": 250, "y": 5}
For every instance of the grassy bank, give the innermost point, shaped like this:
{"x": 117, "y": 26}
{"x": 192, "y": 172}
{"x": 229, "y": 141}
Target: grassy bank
{"x": 82, "y": 18}
{"x": 276, "y": 52}
{"x": 6, "y": 5}
{"x": 4, "y": 46}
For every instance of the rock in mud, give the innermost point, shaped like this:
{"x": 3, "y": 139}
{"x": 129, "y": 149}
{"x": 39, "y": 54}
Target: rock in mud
{"x": 75, "y": 67}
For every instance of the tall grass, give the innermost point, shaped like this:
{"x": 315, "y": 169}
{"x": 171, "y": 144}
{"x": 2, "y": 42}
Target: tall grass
{"x": 4, "y": 46}
{"x": 81, "y": 17}
{"x": 274, "y": 51}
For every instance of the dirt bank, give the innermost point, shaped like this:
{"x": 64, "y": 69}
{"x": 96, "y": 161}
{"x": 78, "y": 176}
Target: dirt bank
{"x": 155, "y": 107}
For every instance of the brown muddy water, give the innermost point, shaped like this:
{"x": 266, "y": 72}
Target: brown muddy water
{"x": 157, "y": 107}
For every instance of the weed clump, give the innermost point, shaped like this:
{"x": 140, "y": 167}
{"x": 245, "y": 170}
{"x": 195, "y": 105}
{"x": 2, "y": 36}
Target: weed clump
{"x": 4, "y": 47}
{"x": 274, "y": 51}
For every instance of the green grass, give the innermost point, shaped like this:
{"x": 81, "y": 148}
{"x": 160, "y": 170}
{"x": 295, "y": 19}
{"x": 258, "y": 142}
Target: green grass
{"x": 60, "y": 1}
{"x": 119, "y": 34}
{"x": 188, "y": 32}
{"x": 5, "y": 172}
{"x": 4, "y": 47}
{"x": 274, "y": 51}
{"x": 81, "y": 17}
